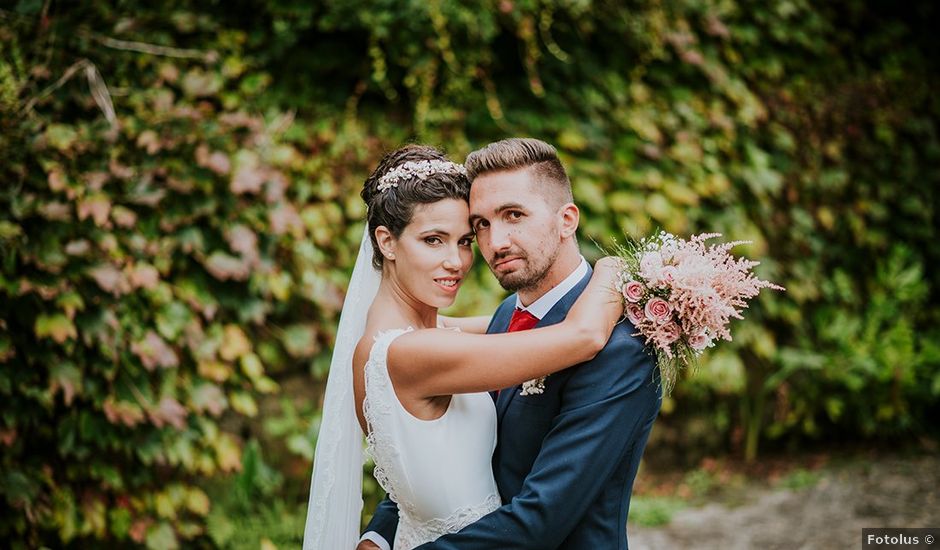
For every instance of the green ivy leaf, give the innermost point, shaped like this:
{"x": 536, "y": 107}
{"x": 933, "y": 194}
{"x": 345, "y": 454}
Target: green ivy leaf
{"x": 300, "y": 340}
{"x": 197, "y": 501}
{"x": 61, "y": 137}
{"x": 251, "y": 366}
{"x": 161, "y": 537}
{"x": 120, "y": 521}
{"x": 243, "y": 403}
{"x": 68, "y": 378}
{"x": 172, "y": 319}
{"x": 18, "y": 488}
{"x": 9, "y": 230}
{"x": 235, "y": 343}
{"x": 58, "y": 327}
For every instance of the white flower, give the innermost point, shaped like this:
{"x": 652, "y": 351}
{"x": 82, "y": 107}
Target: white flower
{"x": 533, "y": 387}
{"x": 651, "y": 265}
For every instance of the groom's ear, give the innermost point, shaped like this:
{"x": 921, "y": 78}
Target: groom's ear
{"x": 570, "y": 216}
{"x": 386, "y": 242}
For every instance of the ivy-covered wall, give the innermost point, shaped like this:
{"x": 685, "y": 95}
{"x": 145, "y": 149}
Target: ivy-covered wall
{"x": 179, "y": 189}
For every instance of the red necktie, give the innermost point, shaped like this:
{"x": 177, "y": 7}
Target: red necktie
{"x": 521, "y": 320}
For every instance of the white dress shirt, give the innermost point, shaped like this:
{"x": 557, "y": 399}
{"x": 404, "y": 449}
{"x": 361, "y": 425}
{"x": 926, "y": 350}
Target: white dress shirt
{"x": 547, "y": 301}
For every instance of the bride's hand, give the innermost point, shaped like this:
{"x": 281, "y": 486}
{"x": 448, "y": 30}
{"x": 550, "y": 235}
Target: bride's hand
{"x": 600, "y": 306}
{"x": 607, "y": 269}
{"x": 603, "y": 286}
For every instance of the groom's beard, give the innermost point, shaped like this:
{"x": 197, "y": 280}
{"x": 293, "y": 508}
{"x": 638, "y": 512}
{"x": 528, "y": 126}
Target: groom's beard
{"x": 528, "y": 277}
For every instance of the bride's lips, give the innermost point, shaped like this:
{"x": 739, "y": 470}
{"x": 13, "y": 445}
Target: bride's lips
{"x": 448, "y": 284}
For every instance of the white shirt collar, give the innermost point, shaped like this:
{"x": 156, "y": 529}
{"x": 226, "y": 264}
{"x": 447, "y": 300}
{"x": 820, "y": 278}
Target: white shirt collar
{"x": 543, "y": 305}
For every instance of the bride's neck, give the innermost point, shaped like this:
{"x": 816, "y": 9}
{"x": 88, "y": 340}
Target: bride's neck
{"x": 393, "y": 301}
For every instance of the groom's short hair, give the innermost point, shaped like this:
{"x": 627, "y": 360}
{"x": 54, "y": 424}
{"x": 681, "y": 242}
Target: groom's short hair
{"x": 538, "y": 157}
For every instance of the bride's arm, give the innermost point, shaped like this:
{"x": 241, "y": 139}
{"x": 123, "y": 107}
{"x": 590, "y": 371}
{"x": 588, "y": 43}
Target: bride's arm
{"x": 473, "y": 325}
{"x": 436, "y": 362}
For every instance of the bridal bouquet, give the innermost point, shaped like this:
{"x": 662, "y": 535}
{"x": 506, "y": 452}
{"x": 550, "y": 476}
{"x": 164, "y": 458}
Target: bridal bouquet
{"x": 682, "y": 294}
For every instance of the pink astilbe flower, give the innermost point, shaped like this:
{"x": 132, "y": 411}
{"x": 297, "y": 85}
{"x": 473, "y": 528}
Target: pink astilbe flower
{"x": 666, "y": 334}
{"x": 690, "y": 292}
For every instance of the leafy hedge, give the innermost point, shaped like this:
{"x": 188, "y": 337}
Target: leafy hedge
{"x": 156, "y": 273}
{"x": 181, "y": 209}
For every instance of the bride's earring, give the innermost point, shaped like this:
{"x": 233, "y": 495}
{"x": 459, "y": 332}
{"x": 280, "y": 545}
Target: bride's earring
{"x": 385, "y": 242}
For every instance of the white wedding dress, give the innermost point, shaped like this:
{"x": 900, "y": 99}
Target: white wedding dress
{"x": 439, "y": 472}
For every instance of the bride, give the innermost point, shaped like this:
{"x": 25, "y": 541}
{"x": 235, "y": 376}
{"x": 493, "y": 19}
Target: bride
{"x": 415, "y": 382}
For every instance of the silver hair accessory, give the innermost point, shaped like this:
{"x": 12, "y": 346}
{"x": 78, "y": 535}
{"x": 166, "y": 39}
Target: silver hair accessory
{"x": 421, "y": 169}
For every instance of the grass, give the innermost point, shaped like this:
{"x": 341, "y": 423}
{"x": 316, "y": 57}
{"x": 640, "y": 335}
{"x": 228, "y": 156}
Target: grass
{"x": 656, "y": 505}
{"x": 800, "y": 479}
{"x": 654, "y": 511}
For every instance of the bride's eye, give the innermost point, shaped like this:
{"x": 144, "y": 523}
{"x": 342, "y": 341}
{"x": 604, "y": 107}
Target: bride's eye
{"x": 466, "y": 241}
{"x": 433, "y": 240}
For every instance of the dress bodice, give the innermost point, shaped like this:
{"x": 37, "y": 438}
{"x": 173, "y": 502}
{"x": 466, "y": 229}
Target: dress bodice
{"x": 439, "y": 471}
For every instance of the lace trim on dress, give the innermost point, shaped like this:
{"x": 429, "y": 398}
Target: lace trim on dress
{"x": 412, "y": 533}
{"x": 380, "y": 444}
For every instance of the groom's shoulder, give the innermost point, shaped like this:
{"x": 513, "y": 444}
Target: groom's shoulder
{"x": 626, "y": 335}
{"x": 626, "y": 353}
{"x": 625, "y": 339}
{"x": 623, "y": 367}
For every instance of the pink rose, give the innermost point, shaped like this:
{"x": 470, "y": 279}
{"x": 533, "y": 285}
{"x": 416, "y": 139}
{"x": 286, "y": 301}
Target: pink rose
{"x": 633, "y": 291}
{"x": 658, "y": 310}
{"x": 635, "y": 314}
{"x": 699, "y": 340}
{"x": 669, "y": 332}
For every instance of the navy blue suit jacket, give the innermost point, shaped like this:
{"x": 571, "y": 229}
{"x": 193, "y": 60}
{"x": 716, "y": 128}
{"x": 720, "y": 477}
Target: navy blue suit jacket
{"x": 566, "y": 459}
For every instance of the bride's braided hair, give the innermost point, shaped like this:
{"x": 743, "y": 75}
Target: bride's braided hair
{"x": 393, "y": 205}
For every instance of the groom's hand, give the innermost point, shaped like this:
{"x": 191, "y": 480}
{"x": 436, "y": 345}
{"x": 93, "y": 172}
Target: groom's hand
{"x": 367, "y": 545}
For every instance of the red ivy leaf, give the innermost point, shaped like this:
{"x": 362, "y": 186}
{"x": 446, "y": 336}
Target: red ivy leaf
{"x": 110, "y": 279}
{"x": 154, "y": 352}
{"x": 169, "y": 411}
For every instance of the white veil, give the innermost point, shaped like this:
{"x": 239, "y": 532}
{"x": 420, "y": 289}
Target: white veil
{"x": 335, "y": 504}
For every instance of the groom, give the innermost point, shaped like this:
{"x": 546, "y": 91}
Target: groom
{"x": 566, "y": 458}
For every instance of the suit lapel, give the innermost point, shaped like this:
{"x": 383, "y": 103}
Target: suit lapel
{"x": 555, "y": 315}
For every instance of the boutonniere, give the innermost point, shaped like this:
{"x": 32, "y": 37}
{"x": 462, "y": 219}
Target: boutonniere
{"x": 533, "y": 387}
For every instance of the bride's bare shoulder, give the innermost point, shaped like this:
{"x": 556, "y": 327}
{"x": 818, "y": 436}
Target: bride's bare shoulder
{"x": 363, "y": 348}
{"x": 365, "y": 344}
